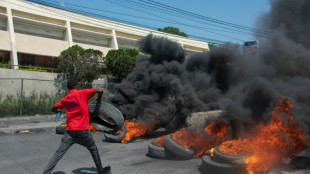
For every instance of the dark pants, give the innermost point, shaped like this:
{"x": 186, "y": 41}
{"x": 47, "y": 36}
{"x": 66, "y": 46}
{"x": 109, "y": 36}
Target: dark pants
{"x": 83, "y": 138}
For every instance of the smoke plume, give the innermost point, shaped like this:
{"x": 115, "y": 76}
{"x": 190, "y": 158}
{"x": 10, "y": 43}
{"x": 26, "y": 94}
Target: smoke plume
{"x": 167, "y": 86}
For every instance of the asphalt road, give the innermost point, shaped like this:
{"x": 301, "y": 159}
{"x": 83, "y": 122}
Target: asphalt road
{"x": 28, "y": 153}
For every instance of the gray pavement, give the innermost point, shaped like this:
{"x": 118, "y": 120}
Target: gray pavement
{"x": 26, "y": 124}
{"x": 28, "y": 153}
{"x": 28, "y": 143}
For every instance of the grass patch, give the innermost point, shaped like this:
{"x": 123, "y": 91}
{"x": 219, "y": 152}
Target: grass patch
{"x": 32, "y": 104}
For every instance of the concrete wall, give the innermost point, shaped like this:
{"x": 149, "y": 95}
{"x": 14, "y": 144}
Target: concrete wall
{"x": 5, "y": 42}
{"x": 10, "y": 82}
{"x": 40, "y": 45}
{"x": 38, "y": 82}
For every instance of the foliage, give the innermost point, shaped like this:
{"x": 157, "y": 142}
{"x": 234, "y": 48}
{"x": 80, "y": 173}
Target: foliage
{"x": 33, "y": 69}
{"x": 36, "y": 102}
{"x": 4, "y": 64}
{"x": 121, "y": 62}
{"x": 83, "y": 65}
{"x": 211, "y": 45}
{"x": 172, "y": 30}
{"x": 32, "y": 104}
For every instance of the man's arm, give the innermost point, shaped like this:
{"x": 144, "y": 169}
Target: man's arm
{"x": 58, "y": 106}
{"x": 54, "y": 109}
{"x": 99, "y": 91}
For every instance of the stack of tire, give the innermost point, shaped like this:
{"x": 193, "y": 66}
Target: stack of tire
{"x": 103, "y": 116}
{"x": 223, "y": 163}
{"x": 172, "y": 149}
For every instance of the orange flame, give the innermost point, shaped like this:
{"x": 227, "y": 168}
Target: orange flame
{"x": 202, "y": 140}
{"x": 211, "y": 152}
{"x": 160, "y": 141}
{"x": 92, "y": 128}
{"x": 235, "y": 147}
{"x": 279, "y": 140}
{"x": 136, "y": 129}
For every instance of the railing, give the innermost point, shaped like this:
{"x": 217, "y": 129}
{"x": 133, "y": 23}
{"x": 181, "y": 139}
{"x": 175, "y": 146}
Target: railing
{"x": 52, "y": 70}
{"x": 29, "y": 97}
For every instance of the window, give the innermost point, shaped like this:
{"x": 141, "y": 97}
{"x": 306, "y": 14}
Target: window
{"x": 36, "y": 30}
{"x": 3, "y": 23}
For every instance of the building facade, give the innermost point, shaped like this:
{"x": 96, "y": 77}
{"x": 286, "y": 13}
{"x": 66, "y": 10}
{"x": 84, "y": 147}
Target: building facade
{"x": 33, "y": 34}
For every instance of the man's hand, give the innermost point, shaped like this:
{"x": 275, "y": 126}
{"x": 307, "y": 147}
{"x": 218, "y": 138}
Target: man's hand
{"x": 54, "y": 109}
{"x": 100, "y": 92}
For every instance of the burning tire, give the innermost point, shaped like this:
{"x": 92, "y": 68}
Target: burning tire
{"x": 109, "y": 114}
{"x": 210, "y": 166}
{"x": 116, "y": 138}
{"x": 101, "y": 127}
{"x": 177, "y": 150}
{"x": 158, "y": 152}
{"x": 60, "y": 129}
{"x": 226, "y": 158}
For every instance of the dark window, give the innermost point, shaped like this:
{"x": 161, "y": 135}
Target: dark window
{"x": 27, "y": 59}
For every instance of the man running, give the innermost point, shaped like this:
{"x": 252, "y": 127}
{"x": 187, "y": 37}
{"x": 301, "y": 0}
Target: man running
{"x": 77, "y": 131}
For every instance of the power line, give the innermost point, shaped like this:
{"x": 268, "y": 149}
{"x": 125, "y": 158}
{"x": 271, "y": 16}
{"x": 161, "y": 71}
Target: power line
{"x": 100, "y": 16}
{"x": 229, "y": 30}
{"x": 183, "y": 17}
{"x": 125, "y": 21}
{"x": 262, "y": 33}
{"x": 61, "y": 14}
{"x": 178, "y": 22}
{"x": 201, "y": 16}
{"x": 238, "y": 32}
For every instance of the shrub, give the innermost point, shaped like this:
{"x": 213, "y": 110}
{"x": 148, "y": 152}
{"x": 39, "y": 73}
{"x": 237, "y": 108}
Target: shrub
{"x": 121, "y": 62}
{"x": 32, "y": 105}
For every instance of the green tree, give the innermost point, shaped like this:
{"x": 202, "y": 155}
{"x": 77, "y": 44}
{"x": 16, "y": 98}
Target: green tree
{"x": 172, "y": 30}
{"x": 82, "y": 64}
{"x": 211, "y": 45}
{"x": 121, "y": 62}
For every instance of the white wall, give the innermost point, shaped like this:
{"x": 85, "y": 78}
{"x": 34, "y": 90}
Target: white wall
{"x": 40, "y": 45}
{"x": 10, "y": 82}
{"x": 5, "y": 41}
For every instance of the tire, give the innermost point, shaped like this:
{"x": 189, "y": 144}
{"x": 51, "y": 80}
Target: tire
{"x": 100, "y": 127}
{"x": 177, "y": 150}
{"x": 220, "y": 157}
{"x": 60, "y": 129}
{"x": 157, "y": 152}
{"x": 108, "y": 113}
{"x": 115, "y": 138}
{"x": 208, "y": 165}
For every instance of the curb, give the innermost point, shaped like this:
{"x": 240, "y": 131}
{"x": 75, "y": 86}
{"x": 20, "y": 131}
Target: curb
{"x": 21, "y": 131}
{"x": 26, "y": 118}
{"x": 29, "y": 124}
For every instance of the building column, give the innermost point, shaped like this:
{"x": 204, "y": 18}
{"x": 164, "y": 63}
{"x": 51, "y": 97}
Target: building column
{"x": 13, "y": 55}
{"x": 114, "y": 43}
{"x": 68, "y": 36}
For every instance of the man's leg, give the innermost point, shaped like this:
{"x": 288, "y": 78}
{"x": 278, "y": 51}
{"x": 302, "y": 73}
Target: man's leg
{"x": 66, "y": 143}
{"x": 89, "y": 143}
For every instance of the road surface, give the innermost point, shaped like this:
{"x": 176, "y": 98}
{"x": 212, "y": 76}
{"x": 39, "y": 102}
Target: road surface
{"x": 28, "y": 153}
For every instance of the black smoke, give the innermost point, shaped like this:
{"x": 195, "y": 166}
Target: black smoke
{"x": 168, "y": 86}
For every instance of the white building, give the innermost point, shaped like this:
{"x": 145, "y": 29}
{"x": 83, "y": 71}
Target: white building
{"x": 33, "y": 34}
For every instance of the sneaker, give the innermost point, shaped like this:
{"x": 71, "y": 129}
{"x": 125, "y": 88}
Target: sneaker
{"x": 106, "y": 170}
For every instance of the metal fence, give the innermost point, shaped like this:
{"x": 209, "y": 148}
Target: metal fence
{"x": 28, "y": 97}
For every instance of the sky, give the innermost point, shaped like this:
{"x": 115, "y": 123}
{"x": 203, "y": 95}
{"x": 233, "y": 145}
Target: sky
{"x": 199, "y": 19}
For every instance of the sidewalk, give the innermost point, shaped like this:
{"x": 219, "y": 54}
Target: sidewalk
{"x": 29, "y": 124}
